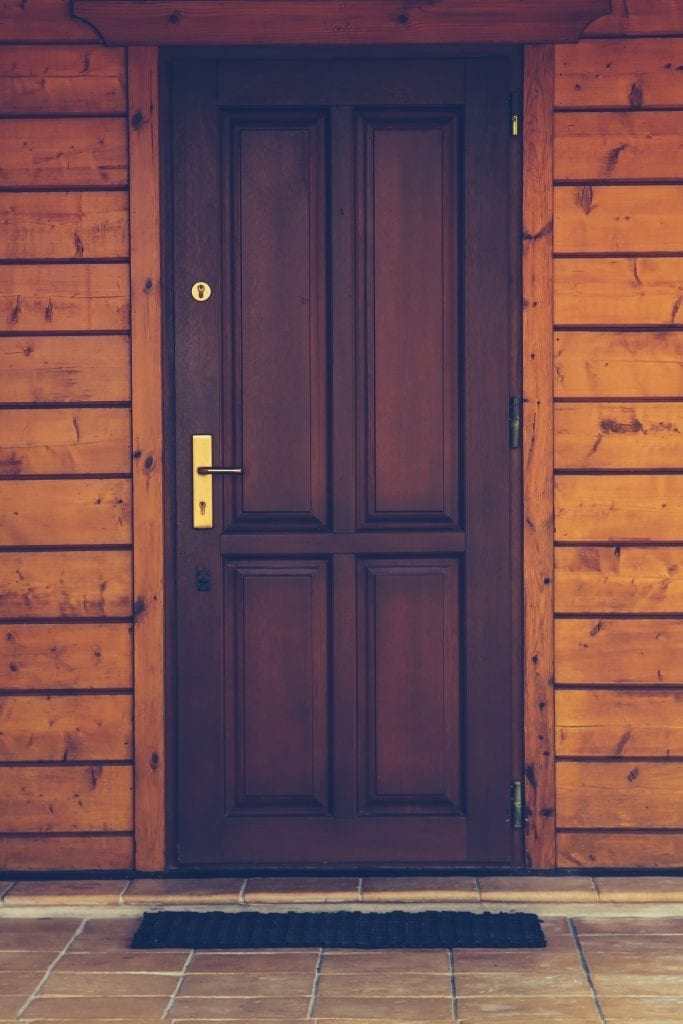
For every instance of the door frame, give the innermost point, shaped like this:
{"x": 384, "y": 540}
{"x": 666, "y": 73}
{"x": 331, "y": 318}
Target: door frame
{"x": 166, "y": 56}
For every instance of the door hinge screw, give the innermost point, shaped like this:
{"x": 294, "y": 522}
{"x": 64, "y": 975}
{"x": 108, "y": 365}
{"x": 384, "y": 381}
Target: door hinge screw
{"x": 517, "y": 802}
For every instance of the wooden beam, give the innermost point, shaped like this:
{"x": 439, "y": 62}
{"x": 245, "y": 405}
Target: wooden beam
{"x": 236, "y": 22}
{"x": 537, "y": 278}
{"x": 148, "y": 511}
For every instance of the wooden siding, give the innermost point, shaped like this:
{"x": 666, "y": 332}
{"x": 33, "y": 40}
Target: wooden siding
{"x": 618, "y": 286}
{"x": 66, "y": 578}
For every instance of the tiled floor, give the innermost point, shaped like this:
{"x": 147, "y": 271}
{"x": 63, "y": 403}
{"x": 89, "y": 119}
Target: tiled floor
{"x": 612, "y": 969}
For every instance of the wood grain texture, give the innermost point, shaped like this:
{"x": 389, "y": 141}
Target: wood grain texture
{"x": 618, "y": 219}
{"x": 90, "y": 151}
{"x": 35, "y": 513}
{"x": 71, "y": 656}
{"x": 62, "y": 369}
{"x": 620, "y": 849}
{"x": 632, "y": 580}
{"x": 62, "y": 80}
{"x": 608, "y": 794}
{"x": 616, "y": 146}
{"x": 66, "y": 853}
{"x": 620, "y": 364}
{"x": 640, "y": 18}
{"x": 627, "y": 651}
{"x": 43, "y": 442}
{"x": 611, "y": 73}
{"x": 538, "y": 457}
{"x": 63, "y": 225}
{"x": 329, "y": 21}
{"x": 65, "y": 584}
{"x": 68, "y": 798}
{"x": 148, "y": 485}
{"x": 609, "y": 723}
{"x": 69, "y": 728}
{"x": 631, "y": 508}
{"x": 619, "y": 435}
{"x": 49, "y": 21}
{"x": 644, "y": 290}
{"x": 64, "y": 297}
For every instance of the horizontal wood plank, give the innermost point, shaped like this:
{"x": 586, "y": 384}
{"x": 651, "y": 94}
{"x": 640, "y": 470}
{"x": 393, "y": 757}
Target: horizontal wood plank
{"x": 65, "y": 585}
{"x": 72, "y": 656}
{"x": 66, "y": 853}
{"x": 69, "y": 728}
{"x": 632, "y": 580}
{"x": 616, "y": 146}
{"x": 629, "y": 794}
{"x": 618, "y": 219}
{"x": 643, "y": 290}
{"x": 632, "y": 508}
{"x": 36, "y": 513}
{"x": 69, "y": 152}
{"x": 619, "y": 850}
{"x": 63, "y": 225}
{"x": 640, "y": 18}
{"x": 64, "y": 297}
{"x": 50, "y": 21}
{"x": 613, "y": 723}
{"x": 619, "y": 364}
{"x": 62, "y": 80}
{"x": 631, "y": 652}
{"x": 628, "y": 73}
{"x": 66, "y": 798}
{"x": 65, "y": 369}
{"x": 618, "y": 435}
{"x": 53, "y": 441}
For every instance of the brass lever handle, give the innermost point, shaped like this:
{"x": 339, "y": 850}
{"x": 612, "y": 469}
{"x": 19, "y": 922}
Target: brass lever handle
{"x": 205, "y": 470}
{"x": 202, "y": 484}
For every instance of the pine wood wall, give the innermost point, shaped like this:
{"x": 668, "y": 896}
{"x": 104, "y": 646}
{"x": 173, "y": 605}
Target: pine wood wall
{"x": 66, "y": 661}
{"x": 618, "y": 273}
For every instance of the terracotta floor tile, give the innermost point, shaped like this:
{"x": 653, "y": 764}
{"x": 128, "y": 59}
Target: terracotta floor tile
{"x": 301, "y": 890}
{"x": 638, "y": 985}
{"x": 385, "y": 986}
{"x": 395, "y": 961}
{"x": 506, "y": 961}
{"x": 635, "y": 963}
{"x": 640, "y": 890}
{"x": 633, "y": 944}
{"x": 109, "y": 986}
{"x": 36, "y": 934}
{"x": 28, "y": 960}
{"x": 507, "y": 1019}
{"x": 424, "y": 890}
{"x": 538, "y": 890}
{"x": 564, "y": 1008}
{"x": 433, "y": 1009}
{"x": 74, "y": 891}
{"x": 153, "y": 961}
{"x": 267, "y": 1008}
{"x": 13, "y": 983}
{"x": 180, "y": 891}
{"x": 248, "y": 985}
{"x": 642, "y": 1009}
{"x": 255, "y": 963}
{"x": 101, "y": 935}
{"x": 629, "y": 925}
{"x": 126, "y": 1008}
{"x": 100, "y": 1020}
{"x": 563, "y": 983}
{"x": 10, "y": 1005}
{"x": 252, "y": 1020}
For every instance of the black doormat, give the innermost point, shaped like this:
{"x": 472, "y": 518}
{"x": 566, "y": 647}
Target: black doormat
{"x": 397, "y": 929}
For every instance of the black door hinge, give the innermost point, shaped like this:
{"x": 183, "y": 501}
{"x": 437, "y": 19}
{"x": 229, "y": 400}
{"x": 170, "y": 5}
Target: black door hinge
{"x": 515, "y": 421}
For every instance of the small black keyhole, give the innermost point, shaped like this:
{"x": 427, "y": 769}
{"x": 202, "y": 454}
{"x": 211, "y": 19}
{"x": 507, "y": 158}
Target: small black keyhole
{"x": 203, "y": 579}
{"x": 200, "y": 291}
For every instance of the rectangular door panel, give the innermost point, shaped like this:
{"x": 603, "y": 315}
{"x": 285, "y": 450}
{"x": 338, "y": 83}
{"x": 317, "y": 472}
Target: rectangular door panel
{"x": 408, "y": 225}
{"x": 276, "y": 388}
{"x": 276, "y": 687}
{"x": 409, "y": 686}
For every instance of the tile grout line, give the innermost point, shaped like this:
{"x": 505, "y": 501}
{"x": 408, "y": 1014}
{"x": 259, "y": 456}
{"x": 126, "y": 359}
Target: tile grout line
{"x": 10, "y": 886}
{"x": 316, "y": 984}
{"x": 181, "y": 979}
{"x": 596, "y": 890}
{"x": 477, "y": 886}
{"x": 586, "y": 970}
{"x": 361, "y": 886}
{"x": 51, "y": 967}
{"x": 451, "y": 961}
{"x": 241, "y": 897}
{"x": 123, "y": 892}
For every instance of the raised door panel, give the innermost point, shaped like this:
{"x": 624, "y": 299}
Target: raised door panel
{"x": 277, "y": 381}
{"x": 277, "y": 688}
{"x": 409, "y": 701}
{"x": 407, "y": 226}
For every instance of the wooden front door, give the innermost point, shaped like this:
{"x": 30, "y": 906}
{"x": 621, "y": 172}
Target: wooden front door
{"x": 344, "y": 669}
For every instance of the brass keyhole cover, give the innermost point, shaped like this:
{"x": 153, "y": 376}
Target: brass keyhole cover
{"x": 201, "y": 291}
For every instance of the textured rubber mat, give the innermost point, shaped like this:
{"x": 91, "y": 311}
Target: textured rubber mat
{"x": 397, "y": 929}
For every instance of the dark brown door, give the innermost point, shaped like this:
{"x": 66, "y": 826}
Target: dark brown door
{"x": 345, "y": 685}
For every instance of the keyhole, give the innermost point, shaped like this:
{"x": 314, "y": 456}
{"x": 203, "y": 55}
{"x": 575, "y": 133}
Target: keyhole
{"x": 202, "y": 508}
{"x": 200, "y": 291}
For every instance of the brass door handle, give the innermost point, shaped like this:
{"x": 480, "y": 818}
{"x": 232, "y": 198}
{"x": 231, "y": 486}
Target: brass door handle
{"x": 202, "y": 485}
